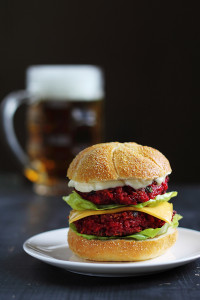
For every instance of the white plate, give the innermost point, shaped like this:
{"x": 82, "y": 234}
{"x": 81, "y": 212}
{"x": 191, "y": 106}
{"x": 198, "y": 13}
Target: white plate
{"x": 52, "y": 248}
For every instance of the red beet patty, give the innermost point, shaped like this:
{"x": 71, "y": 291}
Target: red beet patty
{"x": 126, "y": 195}
{"x": 117, "y": 224}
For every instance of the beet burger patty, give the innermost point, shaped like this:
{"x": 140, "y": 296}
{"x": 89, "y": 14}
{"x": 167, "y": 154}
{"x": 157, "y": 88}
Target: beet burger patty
{"x": 117, "y": 224}
{"x": 126, "y": 195}
{"x": 120, "y": 203}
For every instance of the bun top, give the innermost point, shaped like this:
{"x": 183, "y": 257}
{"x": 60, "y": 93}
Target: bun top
{"x": 114, "y": 161}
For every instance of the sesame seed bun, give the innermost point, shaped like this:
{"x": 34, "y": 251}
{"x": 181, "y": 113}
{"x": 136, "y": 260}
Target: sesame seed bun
{"x": 114, "y": 161}
{"x": 121, "y": 250}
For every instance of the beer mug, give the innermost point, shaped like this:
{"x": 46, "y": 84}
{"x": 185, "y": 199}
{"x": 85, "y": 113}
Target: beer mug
{"x": 64, "y": 115}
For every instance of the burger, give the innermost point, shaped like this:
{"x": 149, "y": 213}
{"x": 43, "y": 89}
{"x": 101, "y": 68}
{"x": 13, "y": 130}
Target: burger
{"x": 120, "y": 209}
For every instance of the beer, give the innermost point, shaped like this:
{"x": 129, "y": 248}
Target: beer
{"x": 56, "y": 132}
{"x": 64, "y": 116}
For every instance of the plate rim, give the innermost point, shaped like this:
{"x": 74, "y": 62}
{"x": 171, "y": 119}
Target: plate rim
{"x": 103, "y": 265}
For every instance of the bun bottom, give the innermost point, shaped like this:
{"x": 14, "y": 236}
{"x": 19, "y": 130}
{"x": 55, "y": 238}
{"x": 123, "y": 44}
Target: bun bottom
{"x": 121, "y": 250}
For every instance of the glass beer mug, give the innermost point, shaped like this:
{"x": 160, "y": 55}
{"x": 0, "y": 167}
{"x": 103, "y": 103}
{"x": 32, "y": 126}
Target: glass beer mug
{"x": 64, "y": 115}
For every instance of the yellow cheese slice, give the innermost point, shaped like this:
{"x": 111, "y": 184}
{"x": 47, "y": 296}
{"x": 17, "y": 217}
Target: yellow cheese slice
{"x": 162, "y": 211}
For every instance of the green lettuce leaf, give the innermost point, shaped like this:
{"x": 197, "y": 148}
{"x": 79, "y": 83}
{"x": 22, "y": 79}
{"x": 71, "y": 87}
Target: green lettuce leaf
{"x": 158, "y": 199}
{"x": 78, "y": 203}
{"x": 142, "y": 235}
{"x": 175, "y": 220}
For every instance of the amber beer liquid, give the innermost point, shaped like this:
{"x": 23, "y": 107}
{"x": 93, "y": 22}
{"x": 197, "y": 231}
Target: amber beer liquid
{"x": 57, "y": 131}
{"x": 58, "y": 128}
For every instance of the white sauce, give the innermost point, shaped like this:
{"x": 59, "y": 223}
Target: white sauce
{"x": 96, "y": 186}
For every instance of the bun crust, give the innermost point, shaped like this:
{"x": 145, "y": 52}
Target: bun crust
{"x": 121, "y": 250}
{"x": 114, "y": 161}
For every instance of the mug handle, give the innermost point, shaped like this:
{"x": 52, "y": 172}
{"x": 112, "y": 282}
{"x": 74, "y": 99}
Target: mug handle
{"x": 9, "y": 107}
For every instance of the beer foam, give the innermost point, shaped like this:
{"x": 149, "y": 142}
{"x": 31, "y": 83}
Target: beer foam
{"x": 65, "y": 82}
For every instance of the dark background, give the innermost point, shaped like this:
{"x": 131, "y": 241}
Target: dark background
{"x": 150, "y": 52}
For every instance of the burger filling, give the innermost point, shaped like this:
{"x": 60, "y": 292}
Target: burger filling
{"x": 126, "y": 195}
{"x": 118, "y": 224}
